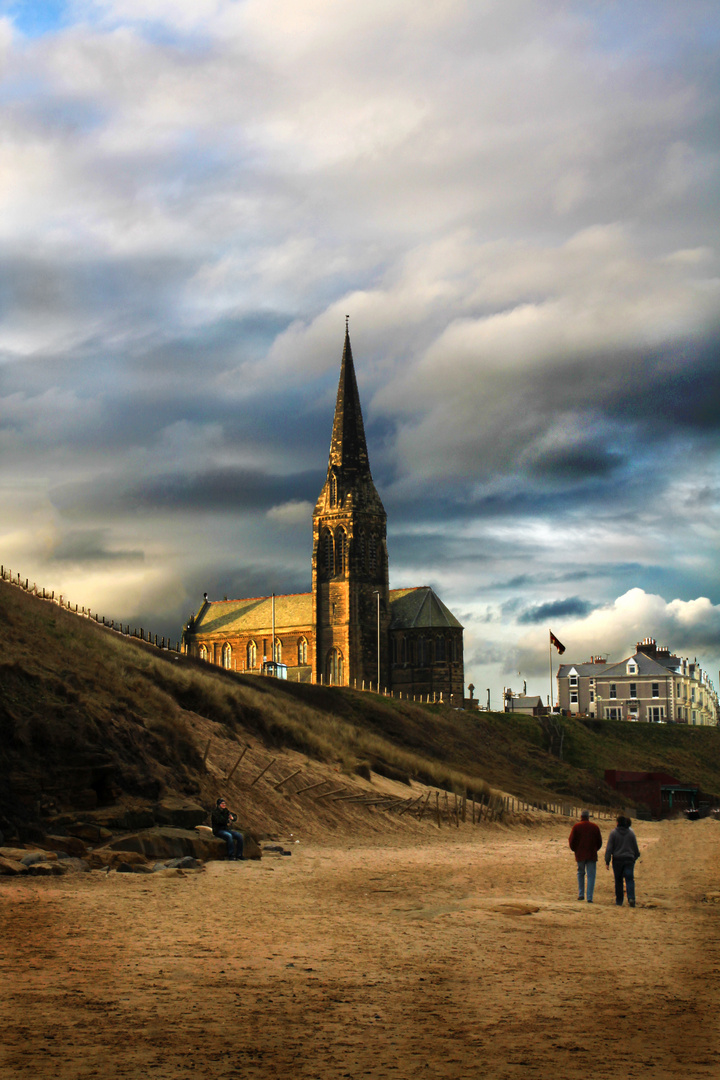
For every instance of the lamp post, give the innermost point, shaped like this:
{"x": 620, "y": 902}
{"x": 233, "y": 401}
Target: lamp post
{"x": 376, "y": 592}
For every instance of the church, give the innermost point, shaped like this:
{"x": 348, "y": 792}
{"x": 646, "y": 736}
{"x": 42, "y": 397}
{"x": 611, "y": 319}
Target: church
{"x": 351, "y": 629}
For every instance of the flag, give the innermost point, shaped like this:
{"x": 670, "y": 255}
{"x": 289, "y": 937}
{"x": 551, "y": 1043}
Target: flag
{"x": 558, "y": 644}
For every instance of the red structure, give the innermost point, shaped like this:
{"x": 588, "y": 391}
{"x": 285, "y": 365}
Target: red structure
{"x": 662, "y": 793}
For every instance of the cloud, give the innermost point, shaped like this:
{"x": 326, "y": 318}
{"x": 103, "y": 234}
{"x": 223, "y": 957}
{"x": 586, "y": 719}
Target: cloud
{"x": 573, "y": 607}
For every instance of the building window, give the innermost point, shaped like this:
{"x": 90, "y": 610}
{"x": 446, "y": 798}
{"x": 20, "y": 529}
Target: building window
{"x": 333, "y": 490}
{"x": 656, "y": 714}
{"x": 403, "y": 650}
{"x": 573, "y": 680}
{"x": 680, "y": 712}
{"x": 251, "y": 654}
{"x": 592, "y": 696}
{"x": 329, "y": 553}
{"x": 573, "y": 697}
{"x": 656, "y": 689}
{"x": 226, "y": 656}
{"x": 334, "y": 668}
{"x": 203, "y": 653}
{"x": 302, "y": 651}
{"x": 373, "y": 552}
{"x": 613, "y": 690}
{"x": 613, "y": 714}
{"x": 633, "y": 690}
{"x": 340, "y": 551}
{"x": 421, "y": 652}
{"x": 440, "y": 650}
{"x": 361, "y": 550}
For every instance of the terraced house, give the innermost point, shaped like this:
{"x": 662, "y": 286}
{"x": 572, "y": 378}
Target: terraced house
{"x": 351, "y": 629}
{"x": 651, "y": 685}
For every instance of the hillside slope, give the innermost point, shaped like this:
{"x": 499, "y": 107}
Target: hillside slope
{"x": 89, "y": 718}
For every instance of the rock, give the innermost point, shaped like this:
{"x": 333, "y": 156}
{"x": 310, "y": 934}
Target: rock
{"x": 47, "y": 869}
{"x": 86, "y": 830}
{"x": 72, "y": 863}
{"x": 179, "y": 813}
{"x": 71, "y": 845}
{"x": 164, "y": 843}
{"x": 186, "y": 863}
{"x": 15, "y": 853}
{"x": 11, "y": 867}
{"x": 107, "y": 857}
{"x": 124, "y": 868}
{"x": 31, "y": 857}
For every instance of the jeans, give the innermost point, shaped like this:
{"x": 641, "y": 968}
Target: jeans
{"x": 234, "y": 841}
{"x": 624, "y": 870}
{"x": 588, "y": 868}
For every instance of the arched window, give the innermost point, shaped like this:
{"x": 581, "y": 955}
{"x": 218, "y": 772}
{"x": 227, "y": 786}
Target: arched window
{"x": 277, "y": 652}
{"x": 393, "y": 650}
{"x": 329, "y": 553}
{"x": 403, "y": 651}
{"x": 439, "y": 650}
{"x": 202, "y": 652}
{"x": 302, "y": 651}
{"x": 334, "y": 668}
{"x": 251, "y": 654}
{"x": 340, "y": 551}
{"x": 226, "y": 656}
{"x": 421, "y": 652}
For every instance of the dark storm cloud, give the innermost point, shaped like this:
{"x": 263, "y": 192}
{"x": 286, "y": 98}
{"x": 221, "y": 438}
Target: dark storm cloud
{"x": 576, "y": 463}
{"x": 221, "y": 490}
{"x": 90, "y": 545}
{"x": 574, "y": 607}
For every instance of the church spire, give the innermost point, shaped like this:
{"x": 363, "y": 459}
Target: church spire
{"x": 348, "y": 447}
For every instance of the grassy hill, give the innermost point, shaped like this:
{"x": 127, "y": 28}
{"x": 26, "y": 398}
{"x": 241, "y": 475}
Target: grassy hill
{"x": 87, "y": 716}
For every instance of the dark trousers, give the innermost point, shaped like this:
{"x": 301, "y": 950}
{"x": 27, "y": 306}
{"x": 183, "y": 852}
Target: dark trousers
{"x": 624, "y": 871}
{"x": 234, "y": 841}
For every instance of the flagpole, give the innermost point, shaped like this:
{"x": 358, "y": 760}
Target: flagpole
{"x": 551, "y": 682}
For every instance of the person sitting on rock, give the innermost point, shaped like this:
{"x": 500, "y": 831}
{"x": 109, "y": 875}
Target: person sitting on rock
{"x": 220, "y": 820}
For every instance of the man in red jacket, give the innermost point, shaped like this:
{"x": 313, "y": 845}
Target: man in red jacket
{"x": 585, "y": 840}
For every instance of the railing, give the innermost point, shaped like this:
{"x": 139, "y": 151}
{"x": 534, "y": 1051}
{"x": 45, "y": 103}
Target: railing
{"x": 85, "y": 613}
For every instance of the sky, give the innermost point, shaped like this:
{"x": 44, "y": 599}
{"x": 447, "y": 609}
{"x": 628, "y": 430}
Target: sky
{"x": 515, "y": 202}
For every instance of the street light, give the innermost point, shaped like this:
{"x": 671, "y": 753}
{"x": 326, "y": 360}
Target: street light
{"x": 376, "y": 592}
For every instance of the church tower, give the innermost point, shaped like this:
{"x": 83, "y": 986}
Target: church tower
{"x": 349, "y": 565}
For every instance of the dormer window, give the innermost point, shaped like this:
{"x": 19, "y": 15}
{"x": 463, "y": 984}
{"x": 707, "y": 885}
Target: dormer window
{"x": 632, "y": 668}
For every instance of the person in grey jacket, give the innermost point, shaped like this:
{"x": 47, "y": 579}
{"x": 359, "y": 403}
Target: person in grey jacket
{"x": 623, "y": 849}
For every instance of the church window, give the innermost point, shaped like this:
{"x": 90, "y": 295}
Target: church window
{"x": 393, "y": 651}
{"x": 302, "y": 651}
{"x": 403, "y": 651}
{"x": 333, "y": 490}
{"x": 251, "y": 655}
{"x": 421, "y": 652}
{"x": 440, "y": 650}
{"x": 203, "y": 653}
{"x": 340, "y": 551}
{"x": 329, "y": 553}
{"x": 226, "y": 655}
{"x": 334, "y": 667}
{"x": 277, "y": 652}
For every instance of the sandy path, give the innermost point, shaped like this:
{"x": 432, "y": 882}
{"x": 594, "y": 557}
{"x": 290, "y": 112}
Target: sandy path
{"x": 466, "y": 956}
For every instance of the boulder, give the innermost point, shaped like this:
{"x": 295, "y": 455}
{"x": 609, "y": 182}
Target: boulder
{"x": 47, "y": 869}
{"x": 71, "y": 845}
{"x": 72, "y": 863}
{"x": 11, "y": 867}
{"x": 164, "y": 843}
{"x": 86, "y": 830}
{"x": 29, "y": 858}
{"x": 179, "y": 813}
{"x": 103, "y": 858}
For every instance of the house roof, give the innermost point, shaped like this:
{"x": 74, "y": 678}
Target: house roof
{"x": 581, "y": 669}
{"x": 249, "y": 616}
{"x": 645, "y": 665}
{"x": 419, "y": 607}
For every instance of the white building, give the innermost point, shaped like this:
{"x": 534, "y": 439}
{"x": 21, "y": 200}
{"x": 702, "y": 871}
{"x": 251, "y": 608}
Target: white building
{"x": 652, "y": 685}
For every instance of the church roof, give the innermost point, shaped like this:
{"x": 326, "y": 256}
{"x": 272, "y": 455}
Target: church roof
{"x": 348, "y": 447}
{"x": 253, "y": 615}
{"x": 419, "y": 607}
